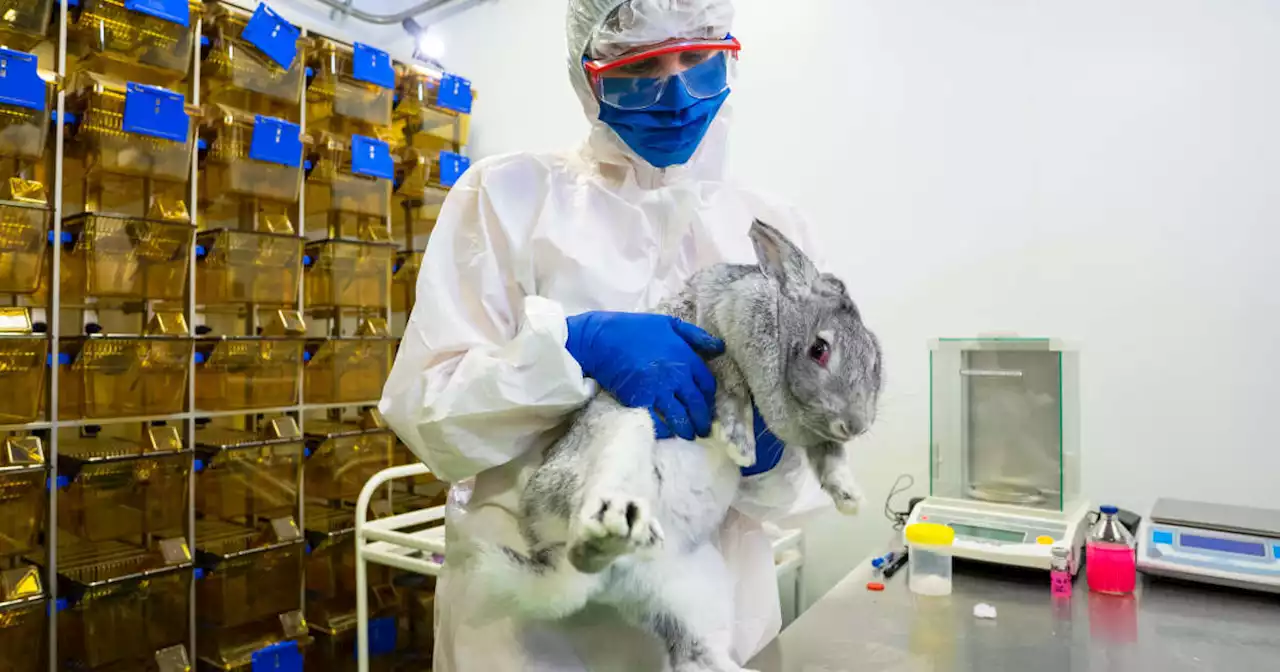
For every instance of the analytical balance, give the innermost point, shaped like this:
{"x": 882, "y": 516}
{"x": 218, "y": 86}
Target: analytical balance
{"x": 1004, "y": 450}
{"x": 1212, "y": 543}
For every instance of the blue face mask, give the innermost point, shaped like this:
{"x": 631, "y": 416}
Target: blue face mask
{"x": 668, "y": 133}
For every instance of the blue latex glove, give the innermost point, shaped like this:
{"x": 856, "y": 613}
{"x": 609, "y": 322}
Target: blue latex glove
{"x": 650, "y": 361}
{"x": 768, "y": 448}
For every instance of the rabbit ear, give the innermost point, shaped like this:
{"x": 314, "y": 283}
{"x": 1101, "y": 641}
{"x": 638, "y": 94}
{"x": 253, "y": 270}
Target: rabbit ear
{"x": 781, "y": 260}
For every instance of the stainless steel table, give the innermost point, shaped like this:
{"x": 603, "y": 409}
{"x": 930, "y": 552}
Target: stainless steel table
{"x": 1166, "y": 626}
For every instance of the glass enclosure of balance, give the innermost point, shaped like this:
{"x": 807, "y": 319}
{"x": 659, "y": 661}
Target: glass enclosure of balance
{"x": 1004, "y": 422}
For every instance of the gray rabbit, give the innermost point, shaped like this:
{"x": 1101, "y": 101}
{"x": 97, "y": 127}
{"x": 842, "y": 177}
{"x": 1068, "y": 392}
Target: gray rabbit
{"x": 610, "y": 517}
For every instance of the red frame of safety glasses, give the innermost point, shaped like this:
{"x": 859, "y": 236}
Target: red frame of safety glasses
{"x": 595, "y": 68}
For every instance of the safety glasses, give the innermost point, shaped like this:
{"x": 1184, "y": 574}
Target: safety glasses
{"x": 636, "y": 81}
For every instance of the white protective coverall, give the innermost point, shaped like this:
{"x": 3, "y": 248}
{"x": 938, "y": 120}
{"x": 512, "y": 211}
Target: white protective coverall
{"x": 483, "y": 382}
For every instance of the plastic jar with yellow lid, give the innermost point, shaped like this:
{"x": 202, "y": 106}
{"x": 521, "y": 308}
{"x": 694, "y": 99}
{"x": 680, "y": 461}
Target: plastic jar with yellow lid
{"x": 930, "y": 558}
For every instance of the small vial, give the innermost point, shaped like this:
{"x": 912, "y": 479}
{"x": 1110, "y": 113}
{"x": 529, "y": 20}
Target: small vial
{"x": 1060, "y": 572}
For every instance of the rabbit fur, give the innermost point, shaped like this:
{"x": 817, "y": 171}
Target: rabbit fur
{"x": 609, "y": 517}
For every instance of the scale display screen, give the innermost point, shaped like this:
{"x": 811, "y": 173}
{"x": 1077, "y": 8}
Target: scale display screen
{"x": 975, "y": 532}
{"x": 1223, "y": 545}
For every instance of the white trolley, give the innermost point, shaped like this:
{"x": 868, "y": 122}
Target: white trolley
{"x": 385, "y": 542}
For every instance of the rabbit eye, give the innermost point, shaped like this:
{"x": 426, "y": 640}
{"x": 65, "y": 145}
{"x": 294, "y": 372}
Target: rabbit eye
{"x": 820, "y": 352}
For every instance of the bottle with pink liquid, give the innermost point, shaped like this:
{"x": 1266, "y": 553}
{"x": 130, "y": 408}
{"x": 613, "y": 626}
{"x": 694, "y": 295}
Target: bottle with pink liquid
{"x": 1060, "y": 571}
{"x": 1112, "y": 565}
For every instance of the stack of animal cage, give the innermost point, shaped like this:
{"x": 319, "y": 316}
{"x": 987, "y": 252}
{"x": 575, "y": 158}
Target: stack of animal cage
{"x": 124, "y": 358}
{"x": 23, "y": 598}
{"x": 248, "y": 542}
{"x": 433, "y": 113}
{"x": 432, "y": 116}
{"x": 131, "y": 148}
{"x": 26, "y": 104}
{"x": 124, "y": 565}
{"x": 202, "y": 208}
{"x": 349, "y": 186}
{"x": 343, "y": 452}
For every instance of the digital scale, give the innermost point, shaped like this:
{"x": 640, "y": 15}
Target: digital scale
{"x": 1004, "y": 450}
{"x": 1212, "y": 543}
{"x": 1007, "y": 534}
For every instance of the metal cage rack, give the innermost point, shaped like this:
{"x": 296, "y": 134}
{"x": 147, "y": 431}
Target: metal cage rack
{"x": 196, "y": 303}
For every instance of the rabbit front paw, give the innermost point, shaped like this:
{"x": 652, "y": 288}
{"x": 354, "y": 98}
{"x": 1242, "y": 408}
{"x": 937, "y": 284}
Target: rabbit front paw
{"x": 609, "y": 527}
{"x": 845, "y": 492}
{"x": 735, "y": 440}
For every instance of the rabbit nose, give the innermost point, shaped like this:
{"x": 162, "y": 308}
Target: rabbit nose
{"x": 846, "y": 429}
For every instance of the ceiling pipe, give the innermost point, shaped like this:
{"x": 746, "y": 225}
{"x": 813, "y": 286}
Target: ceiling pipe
{"x": 345, "y": 8}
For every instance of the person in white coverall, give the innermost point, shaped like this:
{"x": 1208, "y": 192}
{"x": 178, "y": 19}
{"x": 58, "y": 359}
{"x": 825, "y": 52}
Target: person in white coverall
{"x": 527, "y": 248}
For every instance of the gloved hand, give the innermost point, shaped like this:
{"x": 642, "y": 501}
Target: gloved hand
{"x": 650, "y": 361}
{"x": 768, "y": 447}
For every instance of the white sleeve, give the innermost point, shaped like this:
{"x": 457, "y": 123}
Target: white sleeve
{"x": 790, "y": 488}
{"x": 482, "y": 372}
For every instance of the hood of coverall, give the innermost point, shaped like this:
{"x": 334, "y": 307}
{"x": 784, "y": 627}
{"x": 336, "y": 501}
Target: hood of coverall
{"x": 647, "y": 22}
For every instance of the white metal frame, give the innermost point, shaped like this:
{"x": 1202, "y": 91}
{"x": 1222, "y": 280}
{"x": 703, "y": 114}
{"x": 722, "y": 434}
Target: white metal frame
{"x": 383, "y": 542}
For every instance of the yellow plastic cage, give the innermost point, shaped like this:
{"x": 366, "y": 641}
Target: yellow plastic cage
{"x": 236, "y": 72}
{"x": 123, "y": 560}
{"x": 124, "y": 257}
{"x": 24, "y": 228}
{"x": 24, "y": 132}
{"x": 228, "y": 167}
{"x": 247, "y": 267}
{"x": 248, "y": 602}
{"x": 335, "y": 97}
{"x": 401, "y": 638}
{"x": 344, "y": 456}
{"x": 346, "y": 370}
{"x": 23, "y": 642}
{"x": 335, "y": 194}
{"x": 24, "y": 23}
{"x": 23, "y": 356}
{"x": 122, "y": 376}
{"x": 241, "y": 373}
{"x": 106, "y": 37}
{"x": 347, "y": 274}
{"x": 127, "y": 624}
{"x": 99, "y": 104}
{"x": 418, "y": 107}
{"x": 331, "y": 592}
{"x": 23, "y": 498}
{"x": 247, "y": 487}
{"x": 121, "y": 487}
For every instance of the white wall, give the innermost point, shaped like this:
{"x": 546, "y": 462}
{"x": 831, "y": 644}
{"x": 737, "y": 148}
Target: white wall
{"x": 1104, "y": 172}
